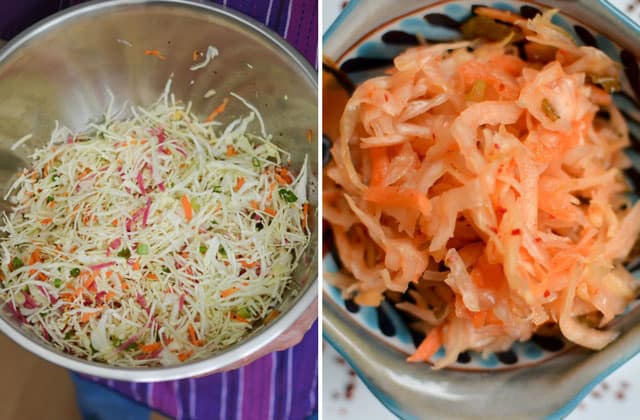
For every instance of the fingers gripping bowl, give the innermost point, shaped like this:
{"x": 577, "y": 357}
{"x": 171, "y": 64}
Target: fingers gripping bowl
{"x": 132, "y": 49}
{"x": 370, "y": 56}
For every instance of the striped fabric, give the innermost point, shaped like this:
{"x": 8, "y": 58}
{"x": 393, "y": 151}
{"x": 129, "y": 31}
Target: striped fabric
{"x": 281, "y": 385}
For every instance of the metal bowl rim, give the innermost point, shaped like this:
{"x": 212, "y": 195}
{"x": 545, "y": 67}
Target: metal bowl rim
{"x": 238, "y": 351}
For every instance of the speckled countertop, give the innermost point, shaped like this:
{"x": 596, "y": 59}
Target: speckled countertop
{"x": 346, "y": 397}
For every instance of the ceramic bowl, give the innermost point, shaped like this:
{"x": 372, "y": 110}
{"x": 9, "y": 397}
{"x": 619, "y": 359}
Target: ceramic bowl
{"x": 543, "y": 377}
{"x": 60, "y": 69}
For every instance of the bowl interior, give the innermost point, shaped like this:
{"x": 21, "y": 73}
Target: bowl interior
{"x": 62, "y": 68}
{"x": 370, "y": 337}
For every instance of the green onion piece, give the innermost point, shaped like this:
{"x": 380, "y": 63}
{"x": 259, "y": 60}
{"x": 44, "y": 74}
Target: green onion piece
{"x": 57, "y": 282}
{"x": 256, "y": 162}
{"x": 203, "y": 249}
{"x": 288, "y": 196}
{"x": 75, "y": 272}
{"x": 222, "y": 251}
{"x": 217, "y": 189}
{"x": 132, "y": 346}
{"x": 244, "y": 312}
{"x": 50, "y": 199}
{"x": 548, "y": 110}
{"x": 17, "y": 263}
{"x": 124, "y": 253}
{"x": 143, "y": 249}
{"x": 68, "y": 335}
{"x": 116, "y": 341}
{"x": 477, "y": 91}
{"x": 55, "y": 177}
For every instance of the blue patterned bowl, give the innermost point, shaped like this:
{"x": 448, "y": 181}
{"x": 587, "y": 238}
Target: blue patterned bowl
{"x": 543, "y": 377}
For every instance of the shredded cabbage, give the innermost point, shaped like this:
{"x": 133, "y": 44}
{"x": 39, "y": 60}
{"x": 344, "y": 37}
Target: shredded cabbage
{"x": 152, "y": 239}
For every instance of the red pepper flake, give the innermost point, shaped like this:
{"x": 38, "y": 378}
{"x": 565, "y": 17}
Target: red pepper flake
{"x": 501, "y": 210}
{"x": 493, "y": 229}
{"x": 515, "y": 232}
{"x": 547, "y": 293}
{"x": 538, "y": 240}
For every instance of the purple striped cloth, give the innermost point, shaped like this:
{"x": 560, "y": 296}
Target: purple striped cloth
{"x": 281, "y": 385}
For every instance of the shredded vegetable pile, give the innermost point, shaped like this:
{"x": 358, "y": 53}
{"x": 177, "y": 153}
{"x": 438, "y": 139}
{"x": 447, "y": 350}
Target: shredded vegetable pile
{"x": 482, "y": 192}
{"x": 153, "y": 239}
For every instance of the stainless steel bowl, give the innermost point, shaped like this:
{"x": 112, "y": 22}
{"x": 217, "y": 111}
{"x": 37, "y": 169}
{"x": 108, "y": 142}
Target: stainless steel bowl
{"x": 61, "y": 68}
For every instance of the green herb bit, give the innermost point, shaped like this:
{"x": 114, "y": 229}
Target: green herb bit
{"x": 244, "y": 313}
{"x": 256, "y": 163}
{"x": 477, "y": 91}
{"x": 124, "y": 253}
{"x": 68, "y": 335}
{"x": 549, "y": 111}
{"x": 116, "y": 341}
{"x": 217, "y": 189}
{"x": 288, "y": 196}
{"x": 222, "y": 252}
{"x": 75, "y": 272}
{"x": 57, "y": 283}
{"x": 203, "y": 249}
{"x": 17, "y": 263}
{"x": 132, "y": 346}
{"x": 143, "y": 249}
{"x": 50, "y": 199}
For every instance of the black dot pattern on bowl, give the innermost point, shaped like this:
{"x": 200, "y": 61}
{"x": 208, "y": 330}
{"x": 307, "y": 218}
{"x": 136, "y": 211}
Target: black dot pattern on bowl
{"x": 464, "y": 357}
{"x": 631, "y": 70}
{"x": 529, "y": 12}
{"x": 548, "y": 342}
{"x": 417, "y": 337}
{"x": 585, "y": 36}
{"x": 326, "y": 147}
{"x": 632, "y": 267}
{"x": 442, "y": 20}
{"x": 635, "y": 143}
{"x": 508, "y": 357}
{"x": 364, "y": 63}
{"x": 400, "y": 38}
{"x": 634, "y": 176}
{"x": 351, "y": 306}
{"x": 384, "y": 322}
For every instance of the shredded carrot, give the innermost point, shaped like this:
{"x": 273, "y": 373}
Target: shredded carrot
{"x": 135, "y": 266}
{"x": 219, "y": 109}
{"x": 193, "y": 337}
{"x": 246, "y": 264}
{"x": 272, "y": 187}
{"x": 270, "y": 211}
{"x": 46, "y": 221}
{"x": 87, "y": 316}
{"x": 239, "y": 183}
{"x": 35, "y": 257}
{"x": 305, "y": 215}
{"x": 150, "y": 348}
{"x": 429, "y": 346}
{"x": 185, "y": 355}
{"x": 195, "y": 55}
{"x": 152, "y": 276}
{"x": 114, "y": 222}
{"x": 155, "y": 53}
{"x": 42, "y": 277}
{"x": 271, "y": 316}
{"x": 228, "y": 292}
{"x": 309, "y": 135}
{"x": 109, "y": 296}
{"x": 186, "y": 206}
{"x": 254, "y": 204}
{"x": 231, "y": 151}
